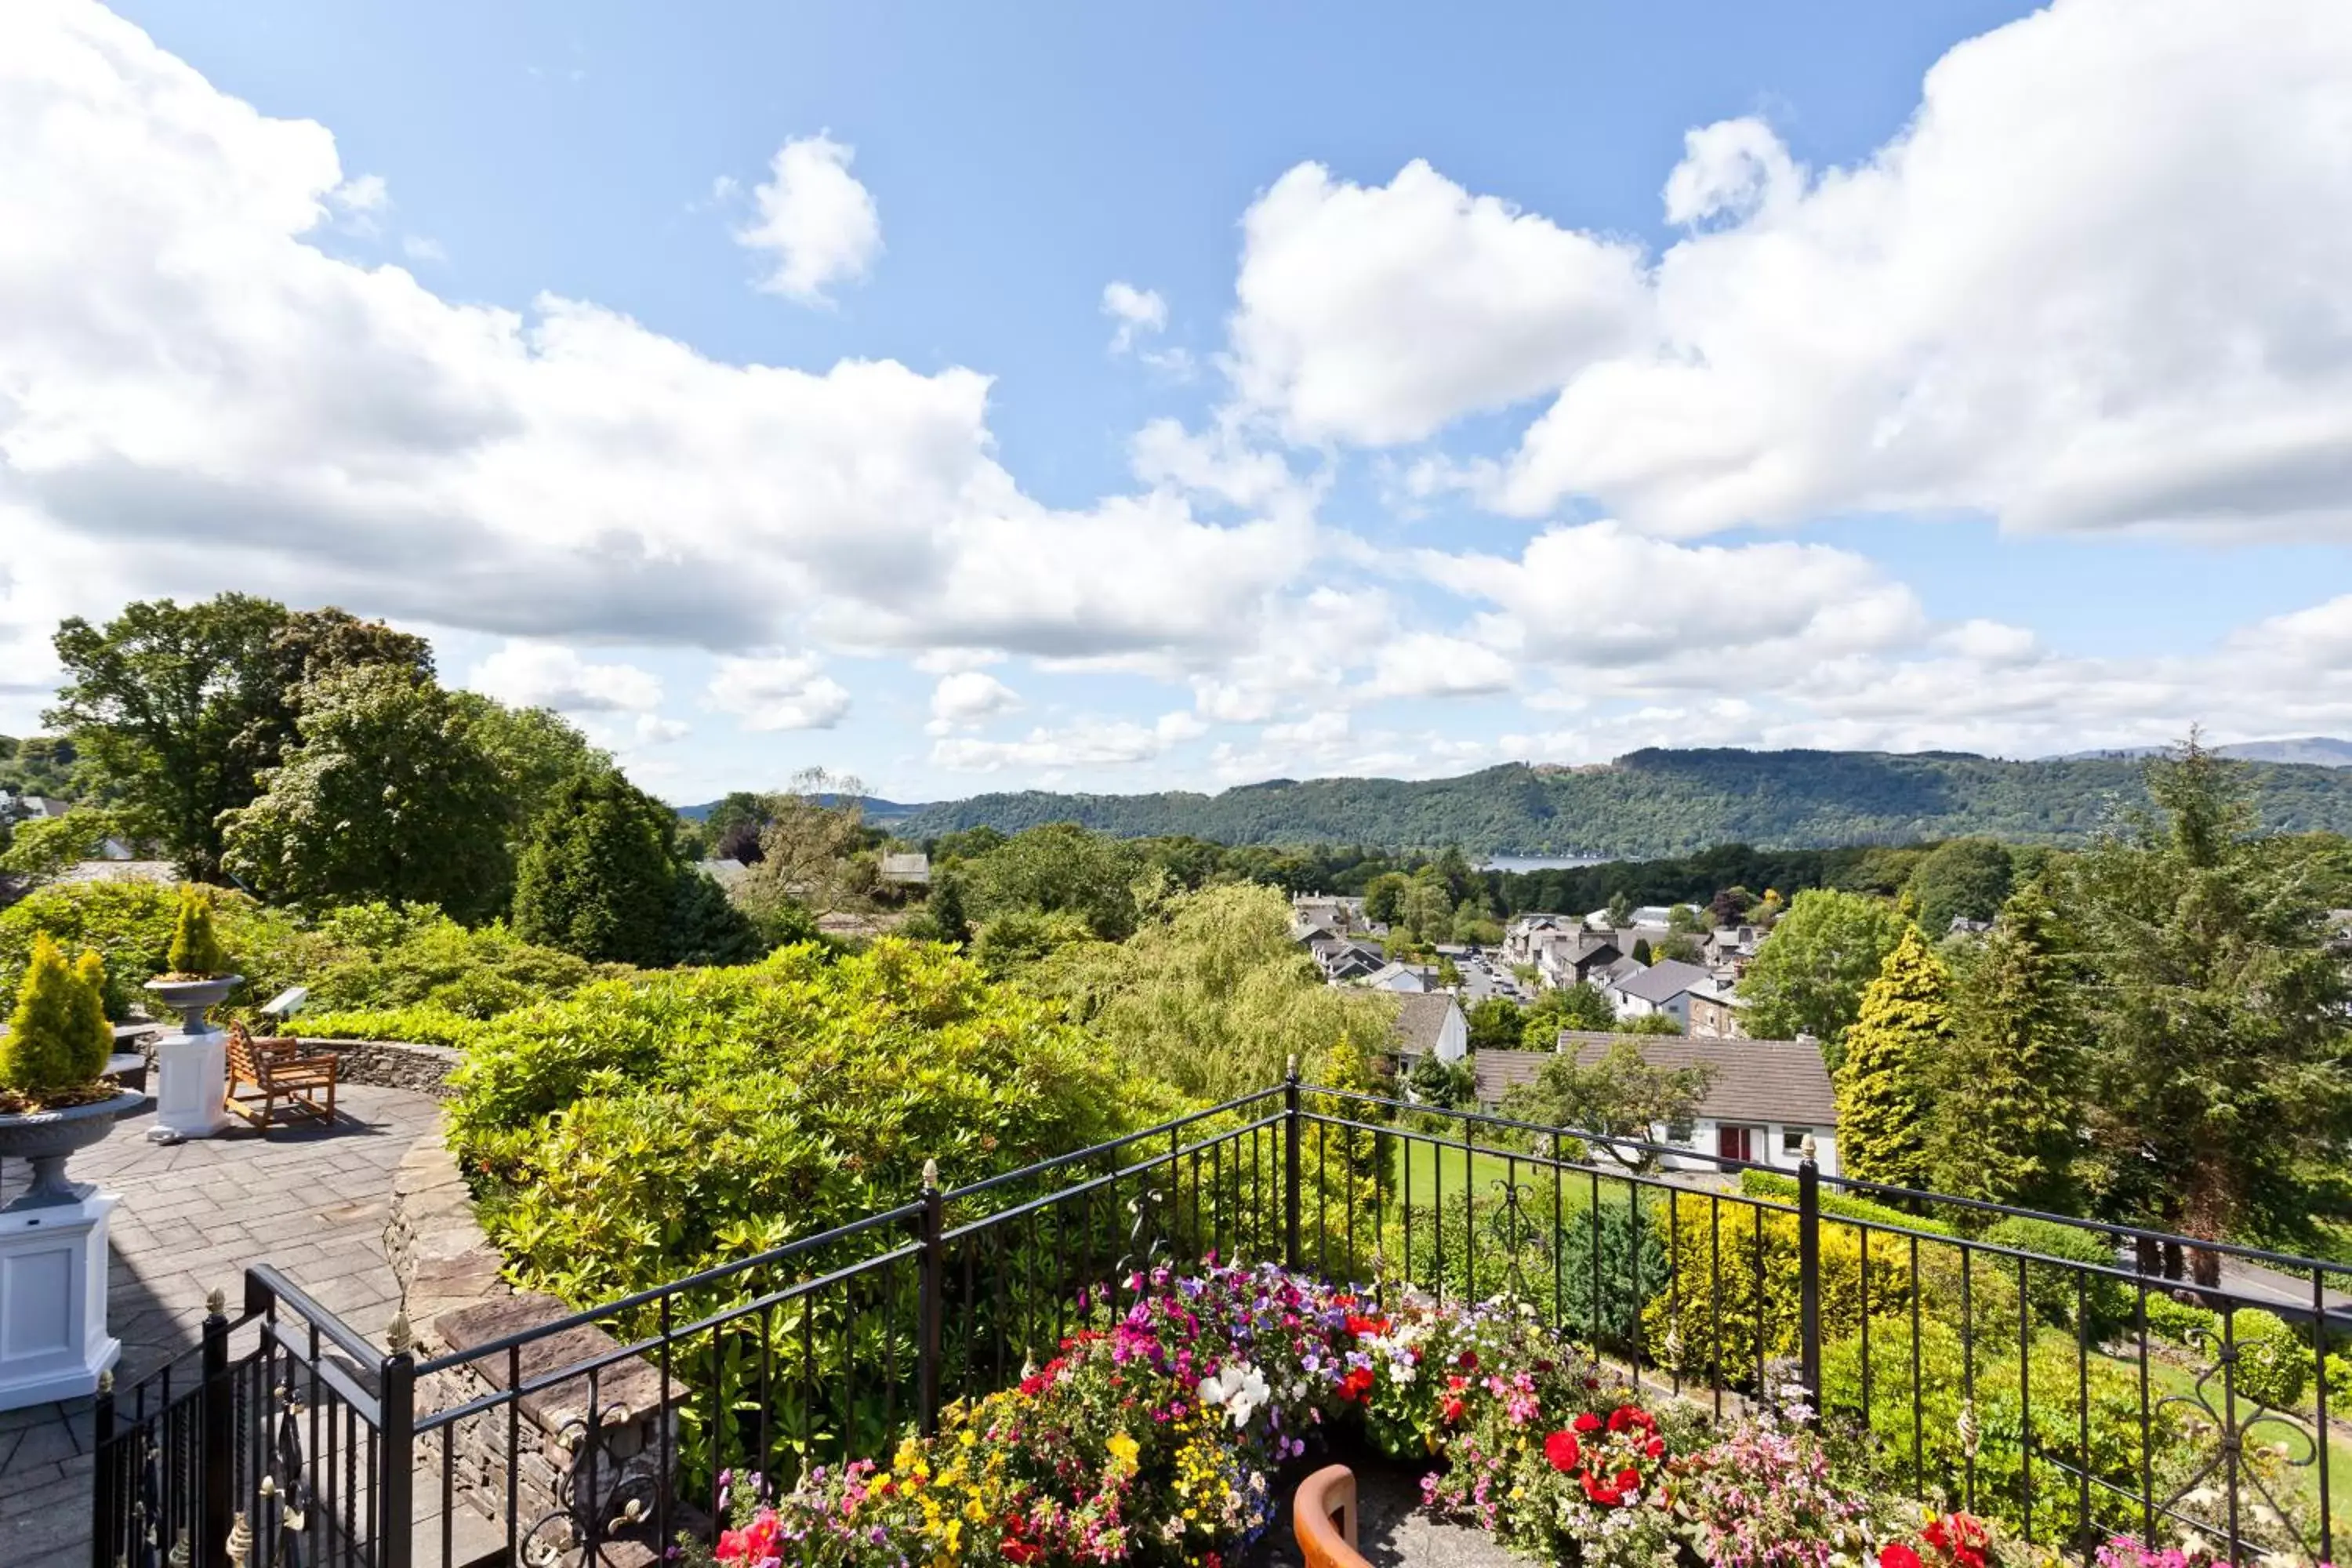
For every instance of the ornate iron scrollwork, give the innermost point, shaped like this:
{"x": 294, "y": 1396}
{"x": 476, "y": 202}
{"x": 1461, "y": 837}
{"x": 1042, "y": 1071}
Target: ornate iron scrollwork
{"x": 2236, "y": 1433}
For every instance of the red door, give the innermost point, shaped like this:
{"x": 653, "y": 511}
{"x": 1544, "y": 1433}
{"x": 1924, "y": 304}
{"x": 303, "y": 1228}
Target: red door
{"x": 1732, "y": 1142}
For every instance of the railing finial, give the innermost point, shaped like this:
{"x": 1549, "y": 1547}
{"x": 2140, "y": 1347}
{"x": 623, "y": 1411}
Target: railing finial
{"x": 931, "y": 1175}
{"x": 216, "y": 1302}
{"x": 1291, "y": 1073}
{"x": 398, "y": 1336}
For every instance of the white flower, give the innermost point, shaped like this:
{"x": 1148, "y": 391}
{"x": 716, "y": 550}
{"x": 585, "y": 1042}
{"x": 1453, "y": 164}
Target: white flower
{"x": 1239, "y": 1387}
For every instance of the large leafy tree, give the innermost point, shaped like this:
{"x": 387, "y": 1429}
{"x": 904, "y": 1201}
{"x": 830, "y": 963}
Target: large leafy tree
{"x": 1624, "y": 1094}
{"x": 597, "y": 878}
{"x": 814, "y": 852}
{"x": 175, "y": 710}
{"x": 1059, "y": 868}
{"x": 387, "y": 794}
{"x": 2008, "y": 1093}
{"x": 1962, "y": 878}
{"x": 2221, "y": 1067}
{"x": 1810, "y": 975}
{"x": 1885, "y": 1089}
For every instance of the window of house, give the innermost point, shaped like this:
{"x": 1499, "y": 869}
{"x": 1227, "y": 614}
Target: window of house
{"x": 1792, "y": 1141}
{"x": 1680, "y": 1131}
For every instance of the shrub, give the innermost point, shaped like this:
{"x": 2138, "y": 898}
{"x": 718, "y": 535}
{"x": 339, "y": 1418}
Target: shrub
{"x": 378, "y": 956}
{"x": 646, "y": 1129}
{"x": 2181, "y": 1323}
{"x": 130, "y": 925}
{"x": 57, "y": 1036}
{"x": 2054, "y": 1381}
{"x": 195, "y": 949}
{"x": 2339, "y": 1385}
{"x": 423, "y": 1025}
{"x": 597, "y": 878}
{"x": 2274, "y": 1360}
{"x": 2062, "y": 1295}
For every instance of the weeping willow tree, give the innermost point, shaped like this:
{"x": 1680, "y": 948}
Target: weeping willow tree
{"x": 1210, "y": 995}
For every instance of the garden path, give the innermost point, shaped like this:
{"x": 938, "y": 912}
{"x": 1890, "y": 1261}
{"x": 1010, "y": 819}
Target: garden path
{"x": 309, "y": 1200}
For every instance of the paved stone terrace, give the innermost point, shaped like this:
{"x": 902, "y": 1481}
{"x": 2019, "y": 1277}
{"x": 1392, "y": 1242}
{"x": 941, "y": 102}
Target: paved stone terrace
{"x": 311, "y": 1201}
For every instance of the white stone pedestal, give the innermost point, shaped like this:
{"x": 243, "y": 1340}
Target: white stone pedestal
{"x": 53, "y": 1338}
{"x": 191, "y": 1086}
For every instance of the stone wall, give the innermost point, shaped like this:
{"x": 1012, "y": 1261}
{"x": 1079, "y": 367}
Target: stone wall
{"x": 583, "y": 1449}
{"x": 385, "y": 1064}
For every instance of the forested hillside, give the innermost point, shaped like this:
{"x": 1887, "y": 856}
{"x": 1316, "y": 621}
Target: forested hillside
{"x": 1657, "y": 803}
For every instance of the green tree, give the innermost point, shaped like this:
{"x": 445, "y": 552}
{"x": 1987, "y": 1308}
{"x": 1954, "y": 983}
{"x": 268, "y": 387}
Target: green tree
{"x": 536, "y": 751}
{"x": 1885, "y": 1089}
{"x": 1962, "y": 878}
{"x": 597, "y": 878}
{"x": 57, "y": 1035}
{"x": 947, "y": 907}
{"x": 704, "y": 927}
{"x": 40, "y": 850}
{"x": 176, "y": 711}
{"x": 2007, "y": 1090}
{"x": 1641, "y": 953}
{"x": 1621, "y": 909}
{"x": 1680, "y": 947}
{"x": 1810, "y": 975}
{"x": 1451, "y": 1084}
{"x": 1578, "y": 1006}
{"x": 195, "y": 952}
{"x": 1623, "y": 1095}
{"x": 1384, "y": 897}
{"x": 2220, "y": 1070}
{"x": 1212, "y": 996}
{"x": 815, "y": 850}
{"x": 1059, "y": 868}
{"x": 1685, "y": 920}
{"x": 387, "y": 795}
{"x": 1495, "y": 1024}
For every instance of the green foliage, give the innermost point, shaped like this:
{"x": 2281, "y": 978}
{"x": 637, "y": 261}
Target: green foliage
{"x": 815, "y": 851}
{"x": 1657, "y": 803}
{"x": 195, "y": 949}
{"x": 1453, "y": 1085}
{"x": 596, "y": 879}
{"x": 130, "y": 925}
{"x": 2006, "y": 1099}
{"x": 1578, "y": 1006}
{"x": 2182, "y": 1323}
{"x": 2062, "y": 1297}
{"x": 642, "y": 1130}
{"x": 1210, "y": 995}
{"x": 1884, "y": 1088}
{"x": 1621, "y": 1094}
{"x": 40, "y": 850}
{"x": 1058, "y": 868}
{"x": 386, "y": 794}
{"x": 423, "y": 1024}
{"x": 2220, "y": 1069}
{"x": 1018, "y": 940}
{"x": 1961, "y": 877}
{"x": 175, "y": 710}
{"x": 2274, "y": 1360}
{"x": 707, "y": 928}
{"x": 2052, "y": 1380}
{"x": 58, "y": 1038}
{"x": 1810, "y": 975}
{"x": 379, "y": 956}
{"x": 1495, "y": 1024}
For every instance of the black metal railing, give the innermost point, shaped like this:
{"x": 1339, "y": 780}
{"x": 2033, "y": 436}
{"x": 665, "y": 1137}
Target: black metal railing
{"x": 2053, "y": 1377}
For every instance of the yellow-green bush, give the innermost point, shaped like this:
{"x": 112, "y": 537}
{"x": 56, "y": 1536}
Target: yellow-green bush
{"x": 129, "y": 926}
{"x": 57, "y": 1035}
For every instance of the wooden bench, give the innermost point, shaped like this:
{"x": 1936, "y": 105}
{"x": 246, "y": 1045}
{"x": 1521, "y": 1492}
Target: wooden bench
{"x": 278, "y": 1070}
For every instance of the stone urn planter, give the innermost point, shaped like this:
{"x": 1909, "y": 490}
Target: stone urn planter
{"x": 53, "y": 1250}
{"x": 192, "y": 1065}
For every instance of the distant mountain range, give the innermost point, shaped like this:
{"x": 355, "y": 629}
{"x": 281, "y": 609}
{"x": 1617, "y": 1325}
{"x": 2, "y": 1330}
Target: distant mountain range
{"x": 1658, "y": 802}
{"x": 880, "y": 811}
{"x": 2320, "y": 750}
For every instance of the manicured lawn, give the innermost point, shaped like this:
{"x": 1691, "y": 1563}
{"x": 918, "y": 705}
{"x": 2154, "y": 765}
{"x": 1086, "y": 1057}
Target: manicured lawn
{"x": 1486, "y": 1173}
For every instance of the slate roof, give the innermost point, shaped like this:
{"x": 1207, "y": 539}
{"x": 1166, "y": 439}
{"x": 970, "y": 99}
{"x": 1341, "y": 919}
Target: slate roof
{"x": 1420, "y": 1019}
{"x": 1755, "y": 1080}
{"x": 1662, "y": 981}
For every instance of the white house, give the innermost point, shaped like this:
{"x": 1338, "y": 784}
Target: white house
{"x": 1663, "y": 987}
{"x": 1431, "y": 1023}
{"x": 1395, "y": 977}
{"x": 1767, "y": 1096}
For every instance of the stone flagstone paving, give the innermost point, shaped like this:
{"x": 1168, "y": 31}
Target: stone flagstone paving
{"x": 310, "y": 1201}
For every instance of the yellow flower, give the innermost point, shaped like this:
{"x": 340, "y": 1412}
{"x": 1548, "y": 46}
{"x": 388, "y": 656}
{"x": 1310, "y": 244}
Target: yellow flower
{"x": 1123, "y": 1450}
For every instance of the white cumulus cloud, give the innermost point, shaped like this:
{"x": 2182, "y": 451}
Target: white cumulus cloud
{"x": 968, "y": 697}
{"x": 548, "y": 675}
{"x": 781, "y": 691}
{"x": 816, "y": 222}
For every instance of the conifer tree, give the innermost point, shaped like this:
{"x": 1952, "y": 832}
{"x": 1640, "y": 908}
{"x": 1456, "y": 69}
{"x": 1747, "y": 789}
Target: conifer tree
{"x": 57, "y": 1034}
{"x": 2003, "y": 1126}
{"x": 1883, "y": 1087}
{"x": 597, "y": 878}
{"x": 196, "y": 947}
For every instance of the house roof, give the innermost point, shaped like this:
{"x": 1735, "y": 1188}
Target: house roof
{"x": 1755, "y": 1080}
{"x": 1422, "y": 1018}
{"x": 911, "y": 867}
{"x": 1392, "y": 970}
{"x": 1662, "y": 981}
{"x": 725, "y": 871}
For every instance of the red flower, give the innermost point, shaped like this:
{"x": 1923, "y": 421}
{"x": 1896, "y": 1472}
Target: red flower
{"x": 1450, "y": 1412}
{"x": 1655, "y": 1447}
{"x": 1588, "y": 1421}
{"x": 1562, "y": 1451}
{"x": 1626, "y": 1415}
{"x": 1468, "y": 1361}
{"x": 1629, "y": 1479}
{"x": 1895, "y": 1555}
{"x": 1601, "y": 1493}
{"x": 1020, "y": 1550}
{"x": 1356, "y": 1385}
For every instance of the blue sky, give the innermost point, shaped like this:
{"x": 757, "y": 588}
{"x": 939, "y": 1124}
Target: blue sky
{"x": 1538, "y": 382}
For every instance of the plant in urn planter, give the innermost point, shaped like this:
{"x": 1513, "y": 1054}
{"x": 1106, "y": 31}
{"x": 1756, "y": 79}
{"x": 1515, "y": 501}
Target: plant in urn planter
{"x": 191, "y": 1065}
{"x": 53, "y": 1338}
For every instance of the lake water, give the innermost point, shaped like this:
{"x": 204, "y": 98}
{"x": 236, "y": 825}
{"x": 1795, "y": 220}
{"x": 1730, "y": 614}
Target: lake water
{"x": 1537, "y": 862}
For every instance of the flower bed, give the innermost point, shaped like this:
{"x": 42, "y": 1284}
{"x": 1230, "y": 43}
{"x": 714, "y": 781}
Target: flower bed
{"x": 1157, "y": 1436}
